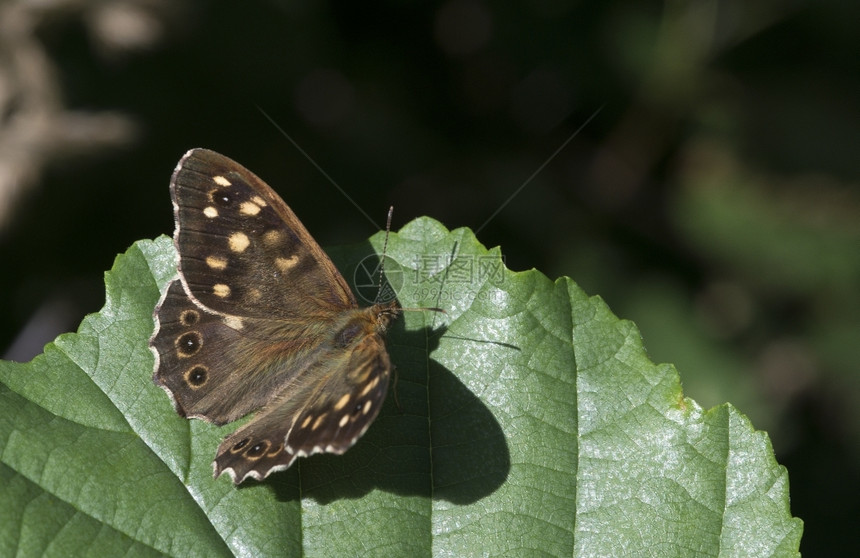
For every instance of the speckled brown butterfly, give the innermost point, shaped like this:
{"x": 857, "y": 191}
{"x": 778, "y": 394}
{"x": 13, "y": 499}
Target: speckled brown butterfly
{"x": 260, "y": 319}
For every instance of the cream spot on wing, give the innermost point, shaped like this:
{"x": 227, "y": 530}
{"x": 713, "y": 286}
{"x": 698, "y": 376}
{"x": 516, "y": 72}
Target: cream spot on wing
{"x": 285, "y": 264}
{"x": 254, "y": 294}
{"x": 343, "y": 420}
{"x": 360, "y": 375}
{"x": 259, "y": 201}
{"x": 341, "y": 403}
{"x": 307, "y": 421}
{"x": 221, "y": 181}
{"x": 233, "y": 322}
{"x": 221, "y": 290}
{"x": 369, "y": 386}
{"x": 210, "y": 212}
{"x": 273, "y": 237}
{"x": 367, "y": 407}
{"x": 319, "y": 421}
{"x": 216, "y": 262}
{"x": 249, "y": 208}
{"x": 239, "y": 241}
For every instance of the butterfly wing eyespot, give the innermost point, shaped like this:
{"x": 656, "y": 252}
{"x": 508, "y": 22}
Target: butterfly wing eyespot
{"x": 188, "y": 343}
{"x": 197, "y": 376}
{"x": 257, "y": 450}
{"x": 221, "y": 198}
{"x": 239, "y": 445}
{"x": 189, "y": 318}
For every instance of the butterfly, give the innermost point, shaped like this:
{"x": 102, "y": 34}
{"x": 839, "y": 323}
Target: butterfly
{"x": 259, "y": 319}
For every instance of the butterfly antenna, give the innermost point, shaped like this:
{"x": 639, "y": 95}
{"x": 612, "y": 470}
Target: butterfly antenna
{"x": 382, "y": 268}
{"x": 384, "y": 249}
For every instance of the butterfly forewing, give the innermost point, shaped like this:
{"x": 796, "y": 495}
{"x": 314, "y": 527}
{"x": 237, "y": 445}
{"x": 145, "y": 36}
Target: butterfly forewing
{"x": 260, "y": 319}
{"x": 242, "y": 250}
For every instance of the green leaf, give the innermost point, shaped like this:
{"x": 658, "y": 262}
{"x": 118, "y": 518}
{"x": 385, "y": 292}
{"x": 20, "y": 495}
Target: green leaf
{"x": 531, "y": 422}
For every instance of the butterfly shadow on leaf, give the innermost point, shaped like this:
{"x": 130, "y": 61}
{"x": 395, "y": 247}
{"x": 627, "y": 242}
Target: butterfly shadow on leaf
{"x": 433, "y": 437}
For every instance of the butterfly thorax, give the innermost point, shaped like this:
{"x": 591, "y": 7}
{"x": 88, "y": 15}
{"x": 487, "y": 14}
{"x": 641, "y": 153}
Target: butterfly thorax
{"x": 362, "y": 322}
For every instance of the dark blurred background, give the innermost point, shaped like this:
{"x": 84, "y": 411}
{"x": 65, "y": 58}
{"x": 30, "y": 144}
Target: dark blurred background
{"x": 713, "y": 200}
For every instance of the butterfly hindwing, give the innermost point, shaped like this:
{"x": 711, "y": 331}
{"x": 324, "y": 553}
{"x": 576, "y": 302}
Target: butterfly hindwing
{"x": 327, "y": 414}
{"x": 198, "y": 355}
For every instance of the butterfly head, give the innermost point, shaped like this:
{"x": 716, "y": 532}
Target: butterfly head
{"x": 384, "y": 314}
